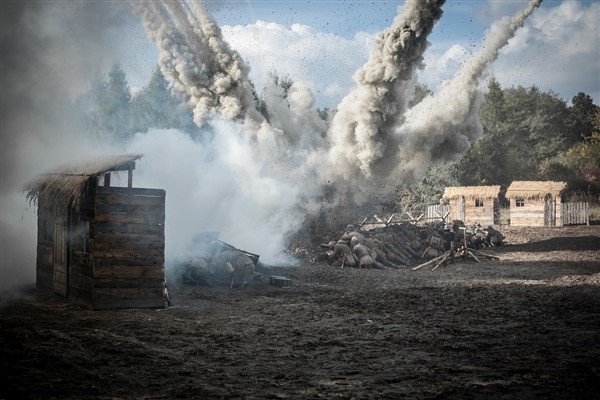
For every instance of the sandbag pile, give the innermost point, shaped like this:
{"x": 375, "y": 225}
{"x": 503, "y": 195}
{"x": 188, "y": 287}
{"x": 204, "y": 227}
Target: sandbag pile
{"x": 402, "y": 245}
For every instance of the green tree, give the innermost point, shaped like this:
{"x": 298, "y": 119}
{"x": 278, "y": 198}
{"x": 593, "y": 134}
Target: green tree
{"x": 429, "y": 190}
{"x": 115, "y": 109}
{"x": 582, "y": 116}
{"x": 523, "y": 127}
{"x": 156, "y": 106}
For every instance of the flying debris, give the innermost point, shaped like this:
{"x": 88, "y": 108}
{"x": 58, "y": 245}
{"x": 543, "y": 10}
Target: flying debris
{"x": 375, "y": 143}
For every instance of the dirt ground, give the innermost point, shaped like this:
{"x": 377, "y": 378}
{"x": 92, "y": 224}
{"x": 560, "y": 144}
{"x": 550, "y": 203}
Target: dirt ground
{"x": 525, "y": 326}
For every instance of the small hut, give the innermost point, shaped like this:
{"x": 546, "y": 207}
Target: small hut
{"x": 535, "y": 203}
{"x": 100, "y": 246}
{"x": 472, "y": 204}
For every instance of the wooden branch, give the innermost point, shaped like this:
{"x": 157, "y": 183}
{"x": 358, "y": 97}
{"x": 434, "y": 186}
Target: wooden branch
{"x": 433, "y": 260}
{"x": 485, "y": 255}
{"x": 442, "y": 261}
{"x": 473, "y": 256}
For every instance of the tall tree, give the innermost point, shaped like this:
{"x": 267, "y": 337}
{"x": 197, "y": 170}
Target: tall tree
{"x": 115, "y": 109}
{"x": 522, "y": 128}
{"x": 582, "y": 116}
{"x": 156, "y": 106}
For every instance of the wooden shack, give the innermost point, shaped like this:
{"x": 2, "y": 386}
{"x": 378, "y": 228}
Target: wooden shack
{"x": 472, "y": 204}
{"x": 100, "y": 246}
{"x": 535, "y": 203}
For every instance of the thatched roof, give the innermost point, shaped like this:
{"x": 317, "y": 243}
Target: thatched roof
{"x": 534, "y": 189}
{"x": 66, "y": 183}
{"x": 471, "y": 192}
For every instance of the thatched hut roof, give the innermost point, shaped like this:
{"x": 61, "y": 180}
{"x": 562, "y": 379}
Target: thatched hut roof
{"x": 534, "y": 189}
{"x": 67, "y": 183}
{"x": 471, "y": 192}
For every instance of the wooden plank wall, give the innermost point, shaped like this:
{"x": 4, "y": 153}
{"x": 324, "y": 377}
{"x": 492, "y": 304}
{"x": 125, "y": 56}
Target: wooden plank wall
{"x": 472, "y": 214}
{"x": 484, "y": 215}
{"x": 575, "y": 213}
{"x": 127, "y": 246}
{"x": 531, "y": 214}
{"x": 45, "y": 247}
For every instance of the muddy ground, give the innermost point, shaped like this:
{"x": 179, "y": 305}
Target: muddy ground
{"x": 526, "y": 326}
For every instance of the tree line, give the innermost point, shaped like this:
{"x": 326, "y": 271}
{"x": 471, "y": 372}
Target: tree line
{"x": 527, "y": 134}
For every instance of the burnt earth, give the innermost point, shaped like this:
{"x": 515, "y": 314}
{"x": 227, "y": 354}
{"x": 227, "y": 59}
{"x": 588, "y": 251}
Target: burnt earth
{"x": 525, "y": 326}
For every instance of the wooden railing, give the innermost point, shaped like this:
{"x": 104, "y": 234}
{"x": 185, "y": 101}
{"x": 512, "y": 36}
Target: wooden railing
{"x": 575, "y": 213}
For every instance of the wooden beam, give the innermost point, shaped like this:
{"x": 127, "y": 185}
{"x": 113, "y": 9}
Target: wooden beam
{"x": 107, "y": 179}
{"x": 130, "y": 178}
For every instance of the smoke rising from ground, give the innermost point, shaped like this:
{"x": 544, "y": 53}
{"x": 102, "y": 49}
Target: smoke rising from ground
{"x": 47, "y": 58}
{"x": 374, "y": 144}
{"x": 253, "y": 178}
{"x": 366, "y": 116}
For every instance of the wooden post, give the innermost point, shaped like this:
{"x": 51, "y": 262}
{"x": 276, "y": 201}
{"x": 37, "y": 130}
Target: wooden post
{"x": 107, "y": 179}
{"x": 130, "y": 178}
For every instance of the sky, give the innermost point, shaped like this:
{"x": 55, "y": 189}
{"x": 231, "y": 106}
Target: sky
{"x": 323, "y": 42}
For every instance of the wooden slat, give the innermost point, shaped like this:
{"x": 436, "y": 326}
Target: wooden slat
{"x": 108, "y": 304}
{"x": 120, "y": 227}
{"x": 147, "y": 283}
{"x": 131, "y": 209}
{"x": 130, "y": 218}
{"x": 134, "y": 254}
{"x": 127, "y": 241}
{"x": 128, "y": 261}
{"x": 104, "y": 199}
{"x": 575, "y": 213}
{"x": 124, "y": 272}
{"x": 131, "y": 191}
{"x": 127, "y": 293}
{"x": 106, "y": 247}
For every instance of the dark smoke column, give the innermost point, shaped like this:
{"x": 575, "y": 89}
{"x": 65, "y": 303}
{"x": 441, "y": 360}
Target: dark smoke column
{"x": 366, "y": 117}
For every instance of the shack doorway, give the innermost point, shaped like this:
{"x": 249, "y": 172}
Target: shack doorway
{"x": 460, "y": 208}
{"x": 60, "y": 250}
{"x": 549, "y": 211}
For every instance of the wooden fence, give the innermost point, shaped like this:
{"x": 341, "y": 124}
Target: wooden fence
{"x": 575, "y": 213}
{"x": 438, "y": 212}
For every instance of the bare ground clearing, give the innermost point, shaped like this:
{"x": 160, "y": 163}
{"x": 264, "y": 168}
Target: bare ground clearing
{"x": 526, "y": 326}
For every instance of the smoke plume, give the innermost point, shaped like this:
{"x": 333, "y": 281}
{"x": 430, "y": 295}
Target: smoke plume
{"x": 253, "y": 176}
{"x": 366, "y": 117}
{"x": 444, "y": 125}
{"x": 46, "y": 59}
{"x": 197, "y": 61}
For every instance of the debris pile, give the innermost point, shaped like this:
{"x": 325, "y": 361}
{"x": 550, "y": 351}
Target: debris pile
{"x": 403, "y": 245}
{"x": 215, "y": 262}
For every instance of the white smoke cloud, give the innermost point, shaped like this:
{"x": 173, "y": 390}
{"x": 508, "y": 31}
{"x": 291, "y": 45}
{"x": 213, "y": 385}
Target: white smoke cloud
{"x": 360, "y": 130}
{"x": 50, "y": 51}
{"x": 217, "y": 185}
{"x": 444, "y": 125}
{"x": 251, "y": 179}
{"x": 197, "y": 61}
